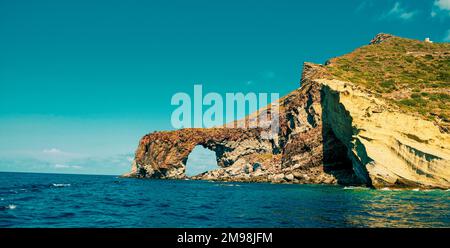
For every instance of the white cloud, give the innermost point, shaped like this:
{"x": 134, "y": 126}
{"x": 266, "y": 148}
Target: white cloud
{"x": 407, "y": 16}
{"x": 364, "y": 5}
{"x": 57, "y": 160}
{"x": 65, "y": 166}
{"x": 441, "y": 8}
{"x": 59, "y": 166}
{"x": 52, "y": 151}
{"x": 58, "y": 152}
{"x": 447, "y": 36}
{"x": 57, "y": 155}
{"x": 442, "y": 4}
{"x": 399, "y": 12}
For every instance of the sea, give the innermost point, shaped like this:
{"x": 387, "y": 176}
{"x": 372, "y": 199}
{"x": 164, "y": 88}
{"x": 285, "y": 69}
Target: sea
{"x": 62, "y": 200}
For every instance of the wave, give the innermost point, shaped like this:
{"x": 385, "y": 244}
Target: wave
{"x": 233, "y": 185}
{"x": 9, "y": 207}
{"x": 390, "y": 189}
{"x": 426, "y": 190}
{"x": 355, "y": 187}
{"x": 409, "y": 189}
{"x": 227, "y": 185}
{"x": 61, "y": 184}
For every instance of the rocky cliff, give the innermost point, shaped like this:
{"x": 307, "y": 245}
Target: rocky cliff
{"x": 337, "y": 128}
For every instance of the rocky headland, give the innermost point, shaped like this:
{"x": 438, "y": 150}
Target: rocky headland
{"x": 378, "y": 116}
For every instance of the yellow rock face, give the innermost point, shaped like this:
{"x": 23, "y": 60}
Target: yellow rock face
{"x": 388, "y": 147}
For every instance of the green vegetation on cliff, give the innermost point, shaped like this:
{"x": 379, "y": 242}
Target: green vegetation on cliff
{"x": 414, "y": 75}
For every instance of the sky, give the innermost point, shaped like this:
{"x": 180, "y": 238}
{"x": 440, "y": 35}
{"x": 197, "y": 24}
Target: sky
{"x": 82, "y": 81}
{"x": 200, "y": 160}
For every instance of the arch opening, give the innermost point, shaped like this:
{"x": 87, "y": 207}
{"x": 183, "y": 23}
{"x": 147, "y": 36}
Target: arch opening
{"x": 200, "y": 160}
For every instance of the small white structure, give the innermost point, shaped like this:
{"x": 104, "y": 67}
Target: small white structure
{"x": 427, "y": 40}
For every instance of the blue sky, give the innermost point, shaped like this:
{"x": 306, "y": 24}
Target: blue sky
{"x": 82, "y": 81}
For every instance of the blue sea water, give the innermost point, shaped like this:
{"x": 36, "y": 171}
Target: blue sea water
{"x": 56, "y": 200}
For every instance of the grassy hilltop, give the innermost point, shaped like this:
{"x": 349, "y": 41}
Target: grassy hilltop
{"x": 412, "y": 74}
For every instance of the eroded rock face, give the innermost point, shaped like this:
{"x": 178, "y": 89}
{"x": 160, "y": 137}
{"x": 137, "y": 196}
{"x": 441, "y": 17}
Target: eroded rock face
{"x": 304, "y": 151}
{"x": 331, "y": 132}
{"x": 164, "y": 154}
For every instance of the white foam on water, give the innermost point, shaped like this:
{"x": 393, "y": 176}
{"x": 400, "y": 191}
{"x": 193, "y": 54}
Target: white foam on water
{"x": 232, "y": 185}
{"x": 423, "y": 190}
{"x": 390, "y": 189}
{"x": 61, "y": 185}
{"x": 227, "y": 185}
{"x": 407, "y": 189}
{"x": 12, "y": 206}
{"x": 355, "y": 187}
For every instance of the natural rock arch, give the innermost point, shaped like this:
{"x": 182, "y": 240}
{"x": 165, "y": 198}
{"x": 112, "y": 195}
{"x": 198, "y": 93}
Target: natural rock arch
{"x": 331, "y": 131}
{"x": 164, "y": 154}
